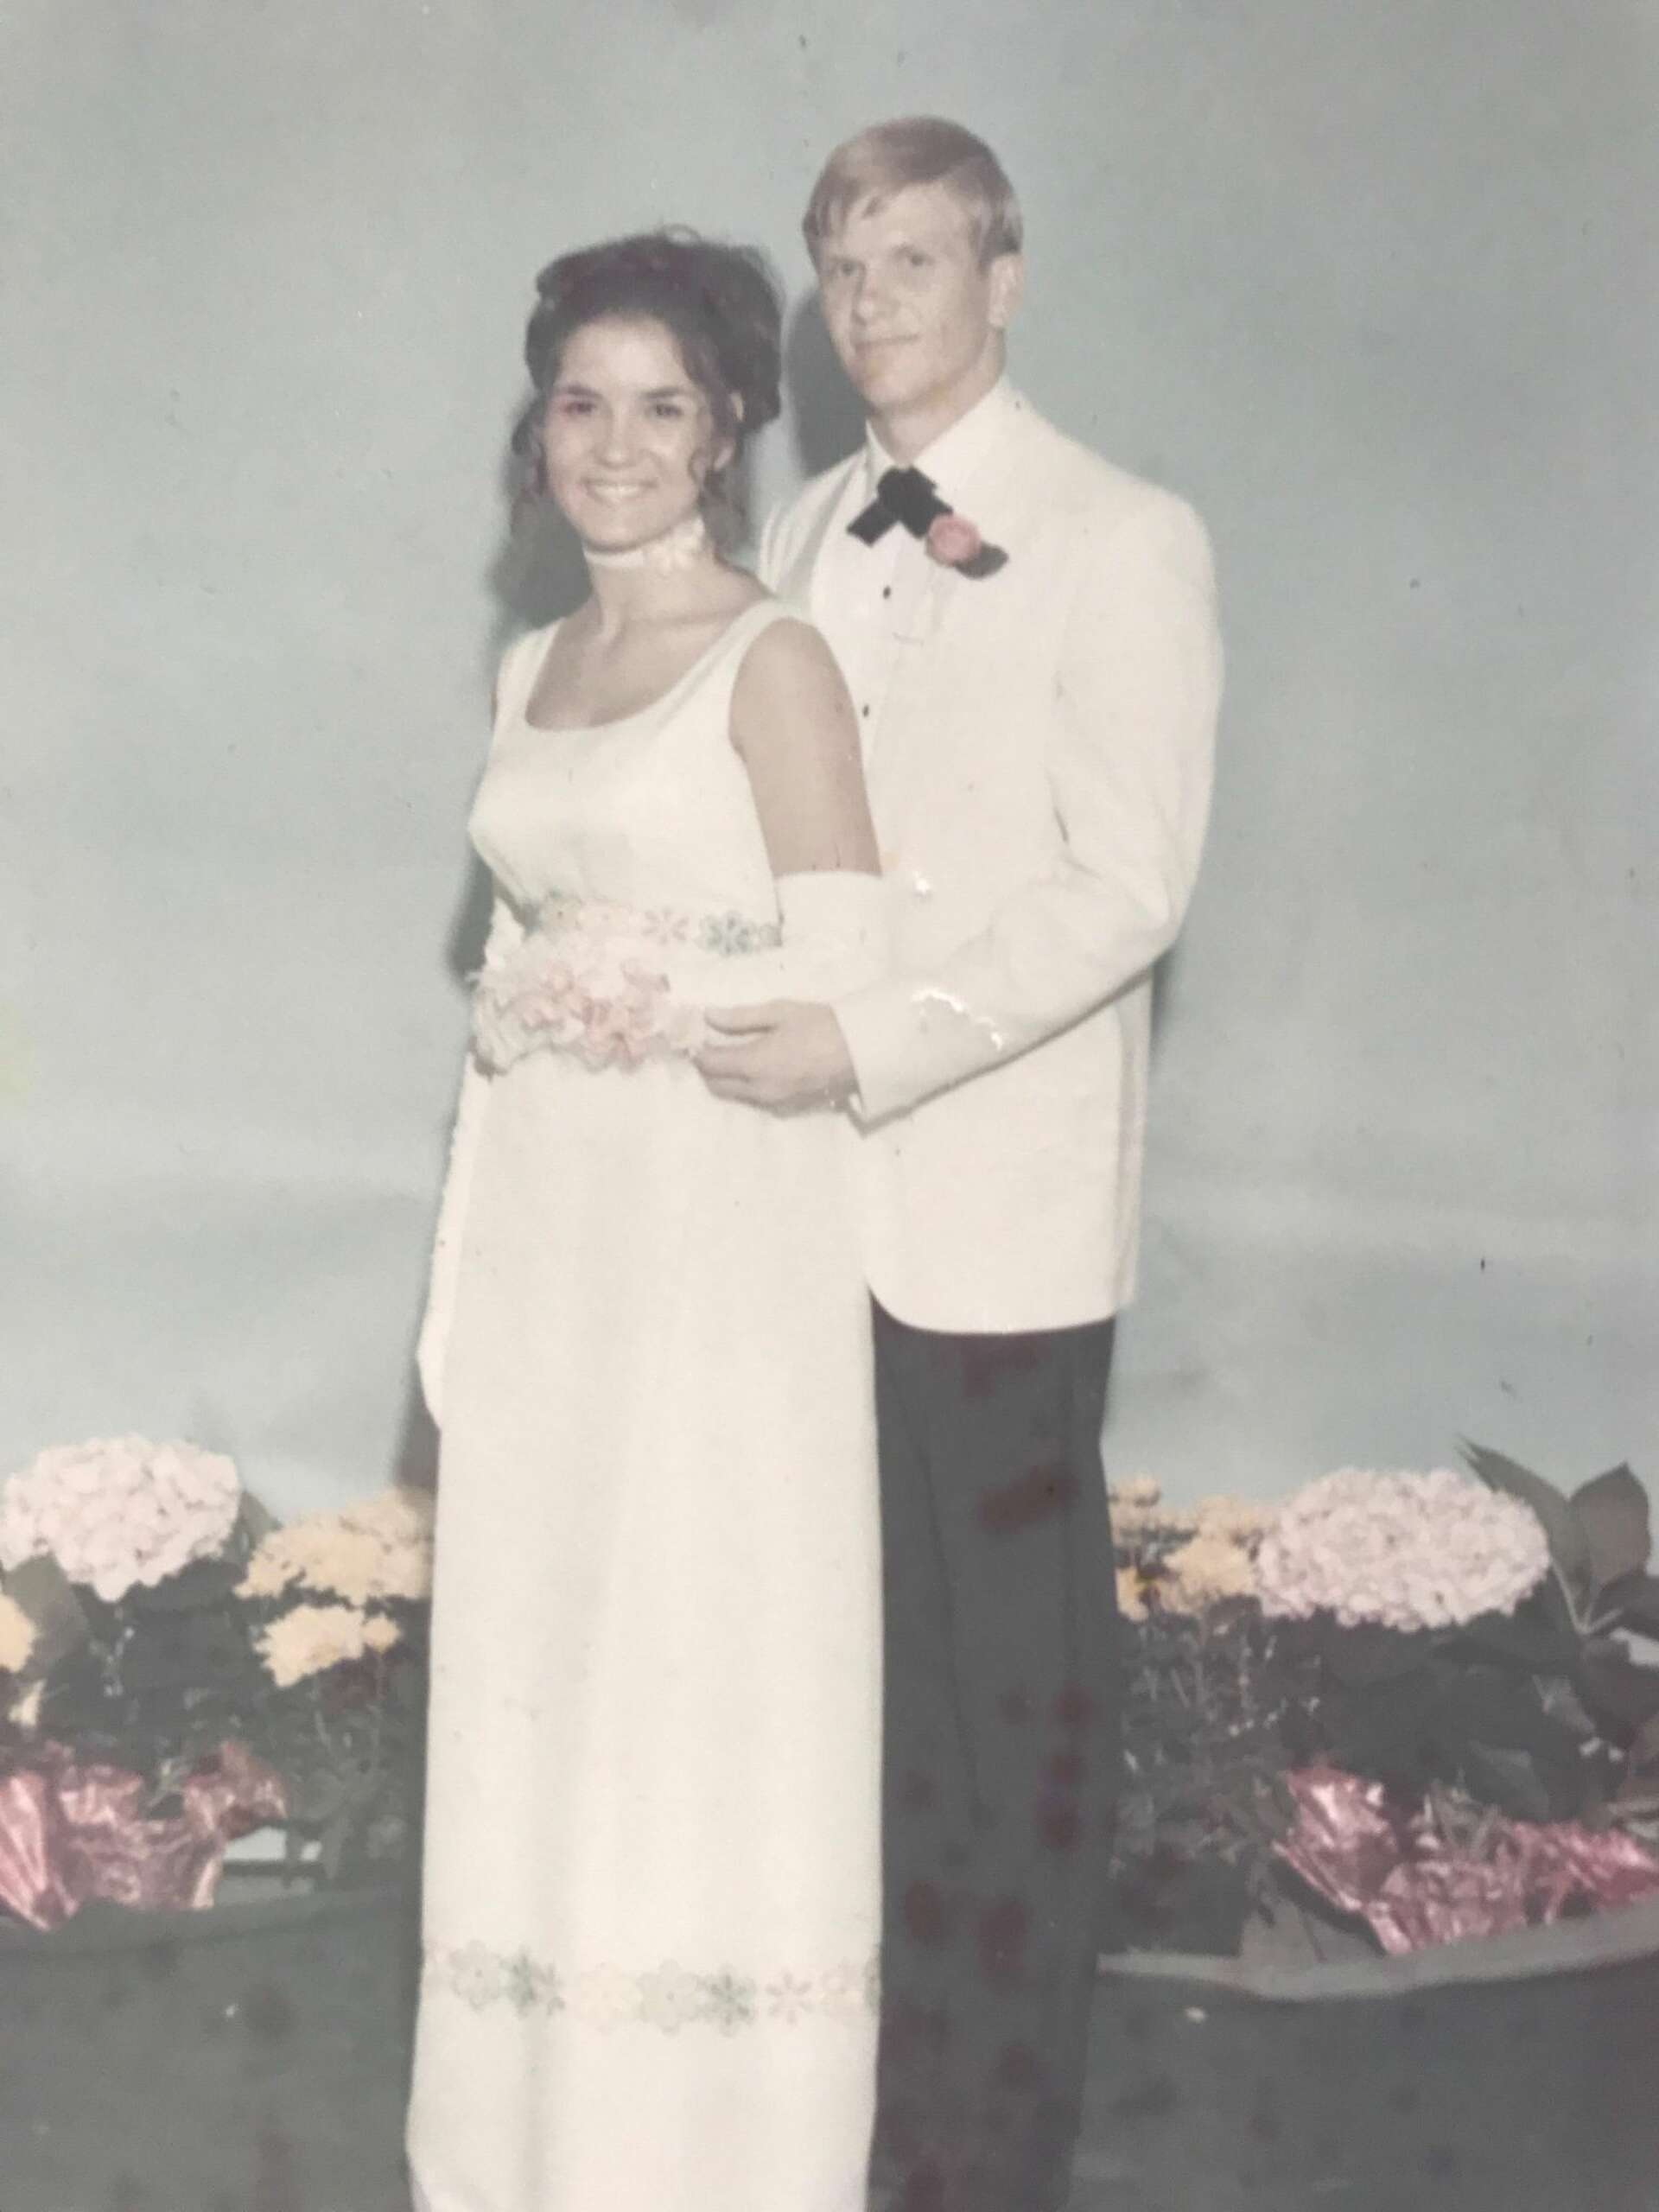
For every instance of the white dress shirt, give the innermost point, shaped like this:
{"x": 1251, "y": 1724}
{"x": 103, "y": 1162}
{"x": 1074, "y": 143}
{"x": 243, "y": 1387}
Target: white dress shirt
{"x": 871, "y": 596}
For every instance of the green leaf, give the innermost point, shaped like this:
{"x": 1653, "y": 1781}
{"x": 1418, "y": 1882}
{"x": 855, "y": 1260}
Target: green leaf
{"x": 1569, "y": 1545}
{"x": 1490, "y": 1707}
{"x": 1621, "y": 1694}
{"x": 1511, "y": 1780}
{"x": 1632, "y": 1602}
{"x": 1384, "y": 1730}
{"x": 1642, "y": 1773}
{"x": 339, "y": 1831}
{"x": 1540, "y": 1638}
{"x": 1563, "y": 1704}
{"x": 203, "y": 1582}
{"x": 45, "y": 1592}
{"x": 1612, "y": 1511}
{"x": 1371, "y": 1653}
{"x": 254, "y": 1521}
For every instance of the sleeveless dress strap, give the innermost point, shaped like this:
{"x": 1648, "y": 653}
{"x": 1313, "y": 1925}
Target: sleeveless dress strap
{"x": 725, "y": 663}
{"x": 749, "y": 626}
{"x": 516, "y": 671}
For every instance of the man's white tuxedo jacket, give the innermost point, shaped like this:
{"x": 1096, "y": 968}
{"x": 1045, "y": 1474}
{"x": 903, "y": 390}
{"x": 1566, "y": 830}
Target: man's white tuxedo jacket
{"x": 1039, "y": 761}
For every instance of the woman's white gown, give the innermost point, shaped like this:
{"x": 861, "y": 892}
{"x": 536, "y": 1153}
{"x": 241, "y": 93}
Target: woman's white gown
{"x": 652, "y": 1907}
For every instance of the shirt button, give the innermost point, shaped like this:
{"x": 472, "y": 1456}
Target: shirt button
{"x": 865, "y": 712}
{"x": 887, "y": 591}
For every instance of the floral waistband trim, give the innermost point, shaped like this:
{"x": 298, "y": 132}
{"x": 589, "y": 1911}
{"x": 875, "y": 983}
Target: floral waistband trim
{"x": 668, "y": 1997}
{"x": 728, "y": 931}
{"x": 587, "y": 978}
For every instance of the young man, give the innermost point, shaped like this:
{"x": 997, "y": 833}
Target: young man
{"x": 1029, "y": 636}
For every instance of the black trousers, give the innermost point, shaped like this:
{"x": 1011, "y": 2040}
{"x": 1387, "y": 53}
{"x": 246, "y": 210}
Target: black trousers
{"x": 1001, "y": 1759}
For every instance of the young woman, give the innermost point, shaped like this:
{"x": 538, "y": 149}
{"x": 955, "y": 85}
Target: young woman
{"x": 651, "y": 1879}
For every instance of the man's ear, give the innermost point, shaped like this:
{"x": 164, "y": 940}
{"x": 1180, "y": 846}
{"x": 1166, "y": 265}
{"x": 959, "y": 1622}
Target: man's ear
{"x": 1007, "y": 276}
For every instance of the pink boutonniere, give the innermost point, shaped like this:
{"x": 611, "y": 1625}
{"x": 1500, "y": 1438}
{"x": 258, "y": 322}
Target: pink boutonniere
{"x": 955, "y": 543}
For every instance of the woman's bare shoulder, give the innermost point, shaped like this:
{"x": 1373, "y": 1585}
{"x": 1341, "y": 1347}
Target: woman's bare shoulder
{"x": 788, "y": 692}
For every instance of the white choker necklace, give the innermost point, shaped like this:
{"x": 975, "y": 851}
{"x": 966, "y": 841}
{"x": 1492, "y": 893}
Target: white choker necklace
{"x": 677, "y": 547}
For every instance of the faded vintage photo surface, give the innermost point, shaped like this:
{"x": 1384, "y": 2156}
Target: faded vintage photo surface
{"x": 1288, "y": 1027}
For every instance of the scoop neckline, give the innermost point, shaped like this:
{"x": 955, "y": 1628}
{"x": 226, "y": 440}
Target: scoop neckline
{"x": 621, "y": 722}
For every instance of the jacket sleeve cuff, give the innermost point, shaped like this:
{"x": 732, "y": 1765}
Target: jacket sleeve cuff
{"x": 896, "y": 1055}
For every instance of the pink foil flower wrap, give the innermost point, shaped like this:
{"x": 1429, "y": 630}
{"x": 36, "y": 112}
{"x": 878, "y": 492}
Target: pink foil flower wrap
{"x": 1416, "y": 1887}
{"x": 70, "y": 1833}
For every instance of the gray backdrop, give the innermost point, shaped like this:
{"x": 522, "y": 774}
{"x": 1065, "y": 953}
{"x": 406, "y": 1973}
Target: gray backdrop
{"x": 1365, "y": 282}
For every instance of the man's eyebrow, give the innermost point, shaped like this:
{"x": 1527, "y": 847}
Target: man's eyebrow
{"x": 900, "y": 242}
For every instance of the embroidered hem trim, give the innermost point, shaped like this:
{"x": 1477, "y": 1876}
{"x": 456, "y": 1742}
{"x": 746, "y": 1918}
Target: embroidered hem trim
{"x": 668, "y": 1998}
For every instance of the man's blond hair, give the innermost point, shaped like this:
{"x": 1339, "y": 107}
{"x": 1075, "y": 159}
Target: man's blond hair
{"x": 870, "y": 167}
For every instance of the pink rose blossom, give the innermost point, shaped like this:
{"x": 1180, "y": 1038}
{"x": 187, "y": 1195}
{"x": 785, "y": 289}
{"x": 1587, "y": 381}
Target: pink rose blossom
{"x": 953, "y": 539}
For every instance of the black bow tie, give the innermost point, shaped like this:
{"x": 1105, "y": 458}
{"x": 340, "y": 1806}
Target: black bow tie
{"x": 902, "y": 495}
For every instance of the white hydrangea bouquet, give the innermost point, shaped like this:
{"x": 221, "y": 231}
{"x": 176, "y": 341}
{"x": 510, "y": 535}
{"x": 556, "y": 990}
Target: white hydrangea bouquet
{"x": 119, "y": 1512}
{"x": 1399, "y": 1549}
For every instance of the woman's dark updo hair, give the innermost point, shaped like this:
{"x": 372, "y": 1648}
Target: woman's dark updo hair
{"x": 719, "y": 305}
